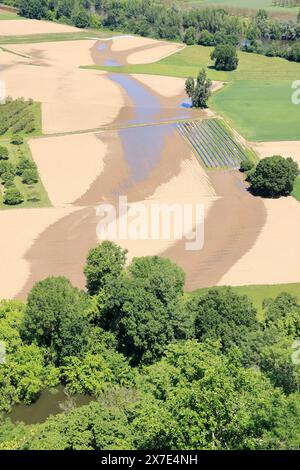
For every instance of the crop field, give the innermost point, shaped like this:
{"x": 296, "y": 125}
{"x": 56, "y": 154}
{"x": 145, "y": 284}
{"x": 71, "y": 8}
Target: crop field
{"x": 214, "y": 144}
{"x": 260, "y": 110}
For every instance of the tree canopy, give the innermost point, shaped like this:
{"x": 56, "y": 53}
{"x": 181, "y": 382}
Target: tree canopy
{"x": 274, "y": 176}
{"x": 225, "y": 57}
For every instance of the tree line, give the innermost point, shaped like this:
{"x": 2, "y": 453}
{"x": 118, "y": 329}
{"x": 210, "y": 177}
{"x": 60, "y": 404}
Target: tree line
{"x": 209, "y": 27}
{"x": 166, "y": 370}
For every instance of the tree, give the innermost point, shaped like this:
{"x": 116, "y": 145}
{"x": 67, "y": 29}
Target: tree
{"x": 55, "y": 318}
{"x": 206, "y": 38}
{"x": 90, "y": 427}
{"x": 12, "y": 196}
{"x": 104, "y": 262}
{"x": 81, "y": 19}
{"x": 197, "y": 398}
{"x": 199, "y": 90}
{"x": 145, "y": 309}
{"x": 274, "y": 176}
{"x": 223, "y": 315}
{"x": 33, "y": 8}
{"x": 190, "y": 36}
{"x": 225, "y": 57}
{"x": 3, "y": 153}
{"x": 30, "y": 176}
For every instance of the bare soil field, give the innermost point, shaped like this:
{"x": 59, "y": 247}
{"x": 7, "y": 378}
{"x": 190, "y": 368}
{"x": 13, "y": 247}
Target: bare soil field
{"x": 285, "y": 149}
{"x": 20, "y": 228}
{"x": 24, "y": 27}
{"x": 231, "y": 229}
{"x": 274, "y": 257}
{"x": 68, "y": 165}
{"x": 72, "y": 99}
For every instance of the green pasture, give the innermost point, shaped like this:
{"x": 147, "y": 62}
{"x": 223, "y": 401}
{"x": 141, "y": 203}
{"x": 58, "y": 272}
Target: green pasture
{"x": 8, "y": 15}
{"x": 260, "y": 110}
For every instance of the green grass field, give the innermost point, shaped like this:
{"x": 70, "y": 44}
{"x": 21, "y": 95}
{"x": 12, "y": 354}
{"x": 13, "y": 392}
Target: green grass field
{"x": 188, "y": 62}
{"x": 296, "y": 191}
{"x": 258, "y": 100}
{"x": 8, "y": 15}
{"x": 241, "y": 4}
{"x": 259, "y": 293}
{"x": 260, "y": 111}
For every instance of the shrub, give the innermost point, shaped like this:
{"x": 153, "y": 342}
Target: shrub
{"x": 16, "y": 140}
{"x": 246, "y": 165}
{"x": 3, "y": 153}
{"x": 25, "y": 164}
{"x": 12, "y": 196}
{"x": 7, "y": 176}
{"x": 30, "y": 176}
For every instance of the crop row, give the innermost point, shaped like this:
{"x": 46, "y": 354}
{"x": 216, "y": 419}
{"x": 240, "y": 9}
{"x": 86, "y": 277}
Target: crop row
{"x": 213, "y": 143}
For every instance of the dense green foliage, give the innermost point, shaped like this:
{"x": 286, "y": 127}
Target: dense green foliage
{"x": 104, "y": 263}
{"x": 198, "y": 90}
{"x": 166, "y": 371}
{"x": 225, "y": 57}
{"x": 274, "y": 176}
{"x": 55, "y": 318}
{"x": 18, "y": 116}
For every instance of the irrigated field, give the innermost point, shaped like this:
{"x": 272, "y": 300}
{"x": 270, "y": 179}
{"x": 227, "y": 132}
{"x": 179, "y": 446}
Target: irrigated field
{"x": 214, "y": 144}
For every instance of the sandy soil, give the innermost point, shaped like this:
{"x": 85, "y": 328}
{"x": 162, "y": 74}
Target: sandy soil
{"x": 23, "y": 27}
{"x": 125, "y": 43}
{"x": 169, "y": 86}
{"x": 59, "y": 54}
{"x": 74, "y": 99}
{"x": 190, "y": 186}
{"x": 231, "y": 229}
{"x": 164, "y": 86}
{"x": 275, "y": 257}
{"x": 153, "y": 55}
{"x": 68, "y": 165}
{"x": 19, "y": 230}
{"x": 284, "y": 148}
